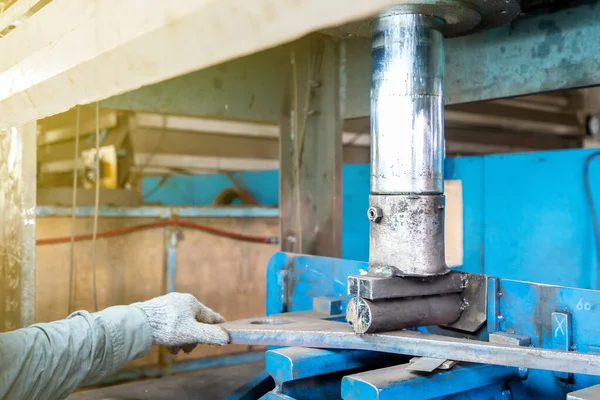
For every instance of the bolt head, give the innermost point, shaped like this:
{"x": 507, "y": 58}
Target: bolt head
{"x": 523, "y": 373}
{"x": 375, "y": 214}
{"x": 593, "y": 125}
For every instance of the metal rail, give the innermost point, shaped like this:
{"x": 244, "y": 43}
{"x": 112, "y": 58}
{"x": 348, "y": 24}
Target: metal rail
{"x": 308, "y": 332}
{"x": 162, "y": 212}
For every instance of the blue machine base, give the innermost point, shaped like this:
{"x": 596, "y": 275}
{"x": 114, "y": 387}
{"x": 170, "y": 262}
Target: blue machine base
{"x": 534, "y": 310}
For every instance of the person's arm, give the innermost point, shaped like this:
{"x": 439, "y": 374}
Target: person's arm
{"x": 49, "y": 361}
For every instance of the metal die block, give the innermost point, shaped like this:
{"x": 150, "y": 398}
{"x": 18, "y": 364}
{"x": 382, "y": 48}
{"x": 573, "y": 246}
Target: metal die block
{"x": 474, "y": 298}
{"x": 425, "y": 364}
{"x": 409, "y": 239}
{"x": 510, "y": 339}
{"x": 379, "y": 288}
{"x": 327, "y": 305}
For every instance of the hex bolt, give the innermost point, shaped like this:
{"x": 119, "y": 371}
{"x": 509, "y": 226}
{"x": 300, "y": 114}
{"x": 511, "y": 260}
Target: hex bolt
{"x": 506, "y": 394}
{"x": 375, "y": 214}
{"x": 523, "y": 373}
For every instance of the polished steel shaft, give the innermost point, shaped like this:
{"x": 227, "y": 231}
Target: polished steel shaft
{"x": 407, "y": 106}
{"x": 407, "y": 145}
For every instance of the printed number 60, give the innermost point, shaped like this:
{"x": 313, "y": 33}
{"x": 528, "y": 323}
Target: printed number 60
{"x": 583, "y": 306}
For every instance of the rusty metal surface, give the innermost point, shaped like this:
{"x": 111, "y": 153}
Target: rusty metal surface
{"x": 410, "y": 236}
{"x": 17, "y": 226}
{"x": 491, "y": 13}
{"x": 308, "y": 332}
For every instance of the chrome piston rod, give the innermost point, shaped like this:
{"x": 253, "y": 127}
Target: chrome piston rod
{"x": 407, "y": 145}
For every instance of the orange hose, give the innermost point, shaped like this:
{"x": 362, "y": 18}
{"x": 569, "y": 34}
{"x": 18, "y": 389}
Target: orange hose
{"x": 160, "y": 224}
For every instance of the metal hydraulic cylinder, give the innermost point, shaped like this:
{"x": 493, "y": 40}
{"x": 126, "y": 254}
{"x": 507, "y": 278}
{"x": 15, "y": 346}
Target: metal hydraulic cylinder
{"x": 407, "y": 145}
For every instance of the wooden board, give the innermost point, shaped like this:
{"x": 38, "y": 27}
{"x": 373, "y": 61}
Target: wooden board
{"x": 141, "y": 45}
{"x": 453, "y": 224}
{"x": 227, "y": 275}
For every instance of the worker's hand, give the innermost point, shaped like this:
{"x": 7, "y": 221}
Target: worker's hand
{"x": 179, "y": 321}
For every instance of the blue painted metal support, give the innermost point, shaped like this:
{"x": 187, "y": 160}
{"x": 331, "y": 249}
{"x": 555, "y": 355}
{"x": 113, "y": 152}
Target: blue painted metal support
{"x": 293, "y": 363}
{"x": 162, "y": 212}
{"x": 399, "y": 383}
{"x": 254, "y": 389}
{"x": 309, "y": 277}
{"x": 522, "y": 308}
{"x": 276, "y": 396}
{"x": 305, "y": 373}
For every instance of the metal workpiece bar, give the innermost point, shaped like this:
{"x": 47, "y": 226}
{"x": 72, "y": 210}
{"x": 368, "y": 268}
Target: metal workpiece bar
{"x": 400, "y": 383}
{"x": 390, "y": 315}
{"x": 407, "y": 113}
{"x": 308, "y": 332}
{"x": 161, "y": 212}
{"x": 379, "y": 288}
{"x": 407, "y": 237}
{"x": 589, "y": 393}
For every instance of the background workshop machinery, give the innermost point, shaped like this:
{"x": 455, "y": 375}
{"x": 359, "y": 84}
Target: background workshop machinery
{"x": 421, "y": 327}
{"x": 469, "y": 335}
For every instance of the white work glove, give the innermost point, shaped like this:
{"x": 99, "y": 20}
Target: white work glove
{"x": 179, "y": 321}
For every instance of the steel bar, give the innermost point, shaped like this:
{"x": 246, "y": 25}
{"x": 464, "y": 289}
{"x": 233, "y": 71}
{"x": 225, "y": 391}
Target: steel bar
{"x": 162, "y": 212}
{"x": 307, "y": 332}
{"x": 389, "y": 315}
{"x": 377, "y": 288}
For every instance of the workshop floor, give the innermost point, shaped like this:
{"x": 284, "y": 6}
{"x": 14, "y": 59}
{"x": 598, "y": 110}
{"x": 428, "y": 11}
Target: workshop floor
{"x": 214, "y": 383}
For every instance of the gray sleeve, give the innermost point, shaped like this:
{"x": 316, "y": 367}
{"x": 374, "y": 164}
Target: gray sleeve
{"x": 49, "y": 361}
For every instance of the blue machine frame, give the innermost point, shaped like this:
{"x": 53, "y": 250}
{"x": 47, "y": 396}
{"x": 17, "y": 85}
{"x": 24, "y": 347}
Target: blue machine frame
{"x": 552, "y": 317}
